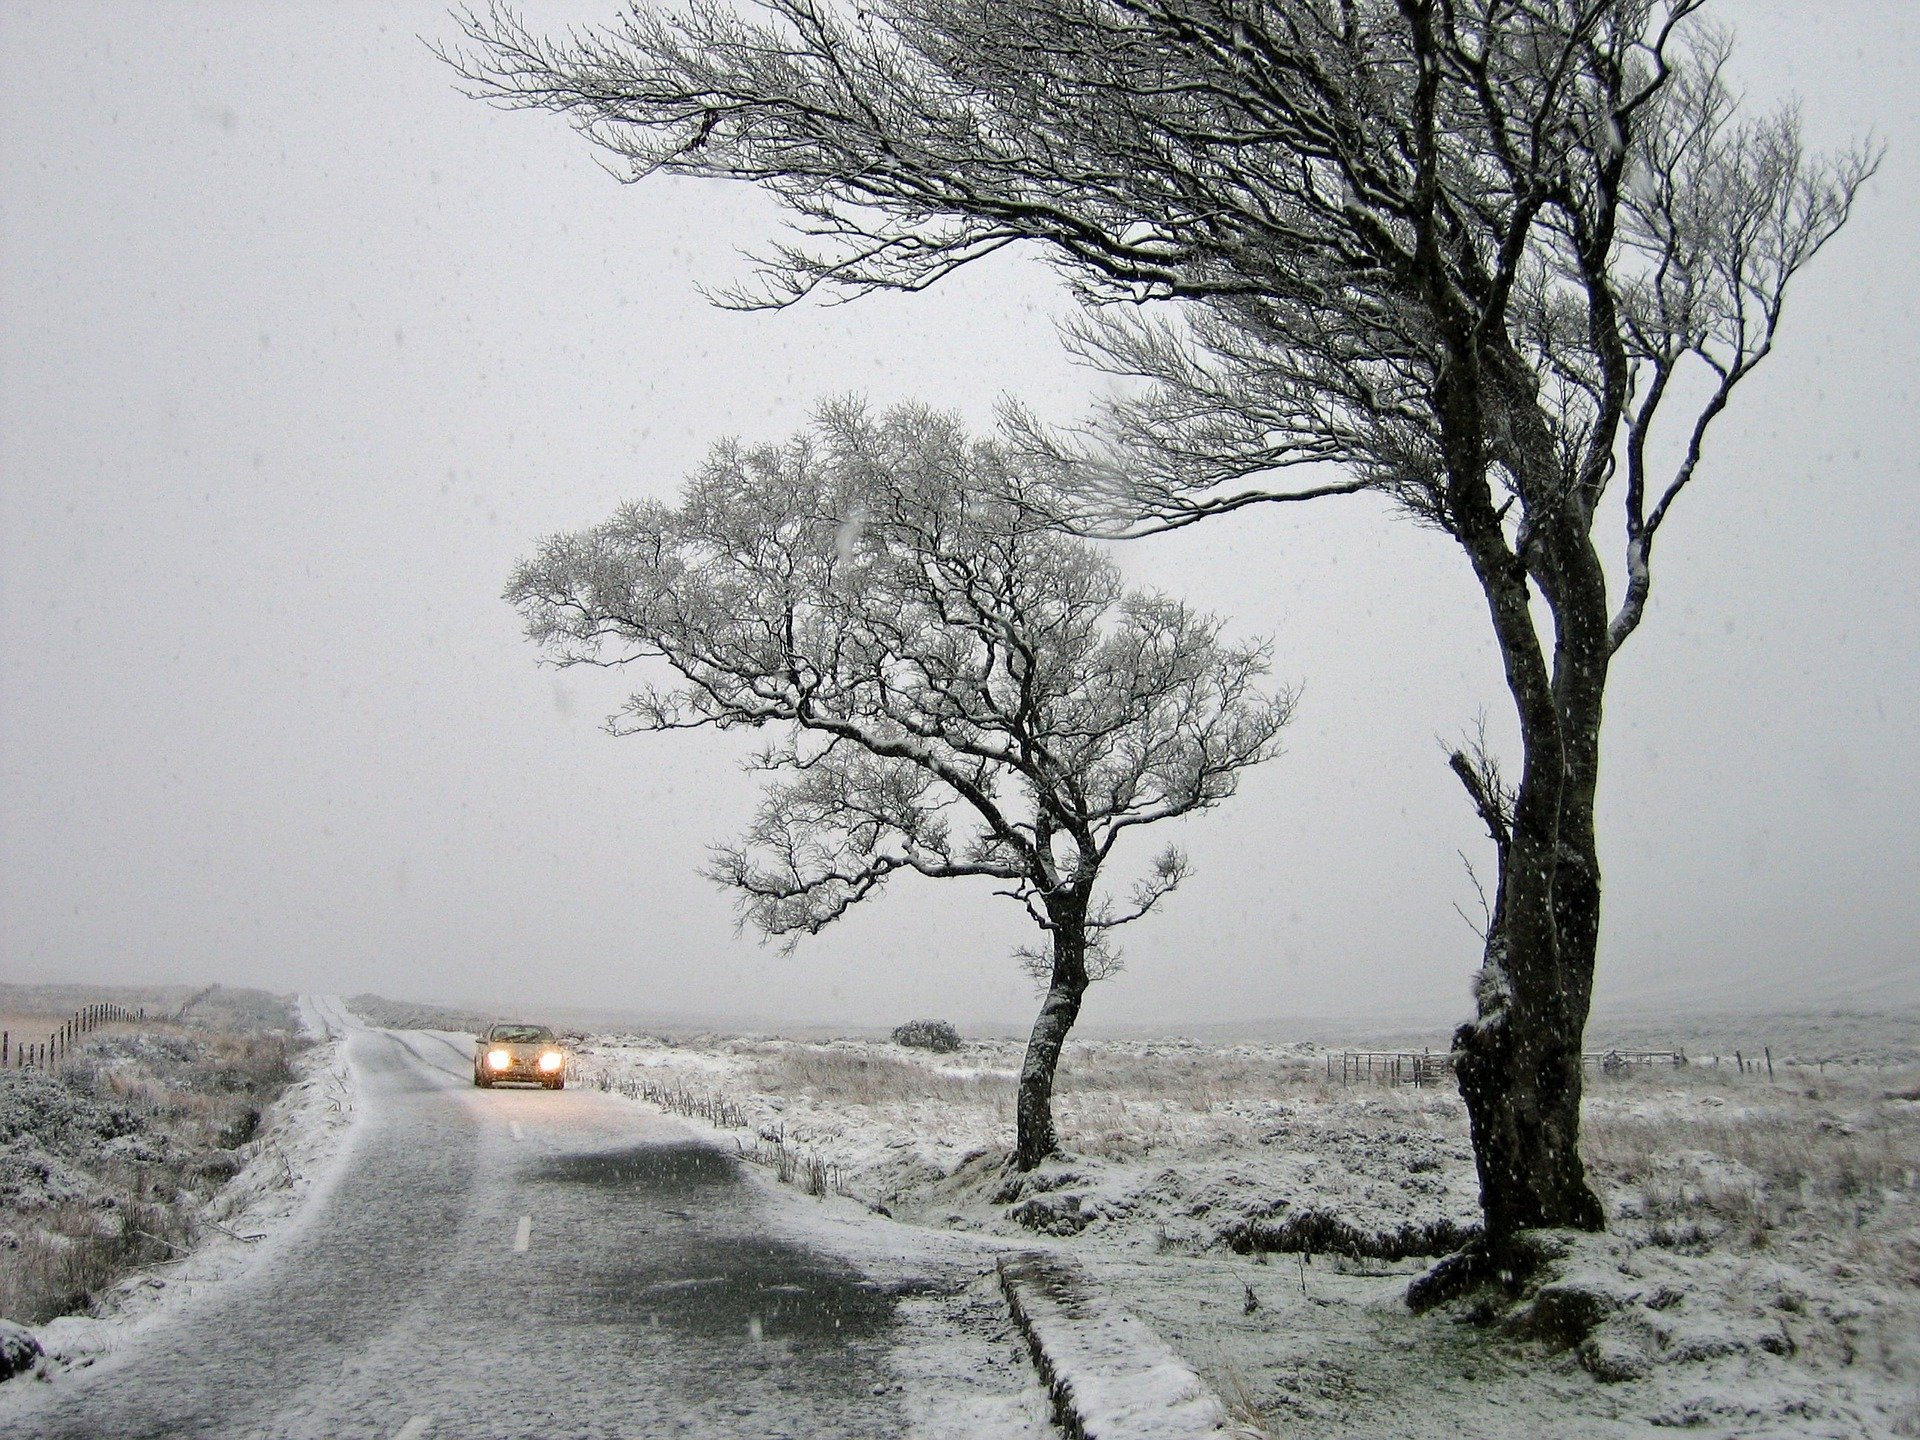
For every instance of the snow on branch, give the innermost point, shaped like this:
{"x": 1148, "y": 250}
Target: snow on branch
{"x": 955, "y": 692}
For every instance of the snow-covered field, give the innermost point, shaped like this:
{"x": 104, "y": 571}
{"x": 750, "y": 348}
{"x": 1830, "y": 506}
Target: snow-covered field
{"x": 270, "y": 1178}
{"x": 1762, "y": 1274}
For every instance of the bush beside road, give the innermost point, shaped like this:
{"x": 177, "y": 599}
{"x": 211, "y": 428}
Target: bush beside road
{"x": 109, "y": 1162}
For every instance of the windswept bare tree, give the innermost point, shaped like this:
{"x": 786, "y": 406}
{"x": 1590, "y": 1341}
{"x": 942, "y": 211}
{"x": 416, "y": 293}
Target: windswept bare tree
{"x": 960, "y": 694}
{"x": 1505, "y": 261}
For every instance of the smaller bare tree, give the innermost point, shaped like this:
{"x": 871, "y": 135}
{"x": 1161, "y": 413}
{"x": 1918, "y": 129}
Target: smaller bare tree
{"x": 960, "y": 693}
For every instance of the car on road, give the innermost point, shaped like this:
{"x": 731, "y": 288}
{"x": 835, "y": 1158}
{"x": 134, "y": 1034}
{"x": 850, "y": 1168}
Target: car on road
{"x": 519, "y": 1052}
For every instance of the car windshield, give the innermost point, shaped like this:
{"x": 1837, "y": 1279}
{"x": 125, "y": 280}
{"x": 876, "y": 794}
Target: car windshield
{"x": 521, "y": 1034}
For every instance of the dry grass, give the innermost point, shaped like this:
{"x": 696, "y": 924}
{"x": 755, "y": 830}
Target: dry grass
{"x": 179, "y": 1103}
{"x": 1194, "y": 1078}
{"x": 73, "y": 1252}
{"x": 206, "y": 1007}
{"x": 1244, "y": 1409}
{"x": 1695, "y": 1163}
{"x": 793, "y": 1164}
{"x": 34, "y": 1027}
{"x": 850, "y": 1078}
{"x": 1112, "y": 1101}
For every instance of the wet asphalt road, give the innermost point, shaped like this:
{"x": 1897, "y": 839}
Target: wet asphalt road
{"x": 649, "y": 1300}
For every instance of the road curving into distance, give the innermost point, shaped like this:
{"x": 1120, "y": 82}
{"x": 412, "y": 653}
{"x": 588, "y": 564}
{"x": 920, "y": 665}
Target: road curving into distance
{"x": 508, "y": 1263}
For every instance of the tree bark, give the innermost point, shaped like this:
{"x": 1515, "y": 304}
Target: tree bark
{"x": 1519, "y": 1060}
{"x": 1035, "y": 1136}
{"x": 1518, "y": 1064}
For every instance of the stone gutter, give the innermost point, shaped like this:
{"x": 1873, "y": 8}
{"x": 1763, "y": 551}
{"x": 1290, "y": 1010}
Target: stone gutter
{"x": 1110, "y": 1376}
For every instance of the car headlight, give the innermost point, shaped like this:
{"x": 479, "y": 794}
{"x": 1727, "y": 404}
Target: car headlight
{"x": 499, "y": 1059}
{"x": 552, "y": 1061}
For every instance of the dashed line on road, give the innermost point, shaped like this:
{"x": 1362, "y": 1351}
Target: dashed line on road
{"x": 523, "y": 1235}
{"x": 514, "y": 1125}
{"x": 414, "y": 1428}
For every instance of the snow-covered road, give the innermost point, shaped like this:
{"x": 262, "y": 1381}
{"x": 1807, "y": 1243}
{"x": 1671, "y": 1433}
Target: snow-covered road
{"x": 522, "y": 1263}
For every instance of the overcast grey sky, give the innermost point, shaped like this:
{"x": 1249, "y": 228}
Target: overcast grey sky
{"x": 300, "y": 351}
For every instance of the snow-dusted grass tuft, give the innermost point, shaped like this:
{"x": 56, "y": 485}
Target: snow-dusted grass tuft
{"x": 72, "y": 1251}
{"x": 1826, "y": 1141}
{"x": 1703, "y": 1166}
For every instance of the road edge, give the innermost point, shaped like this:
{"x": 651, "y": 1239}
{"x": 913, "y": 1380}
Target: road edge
{"x": 1111, "y": 1377}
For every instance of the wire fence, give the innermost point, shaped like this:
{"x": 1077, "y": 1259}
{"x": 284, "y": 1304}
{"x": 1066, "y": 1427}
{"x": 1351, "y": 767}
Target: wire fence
{"x": 59, "y": 1045}
{"x": 1419, "y": 1068}
{"x": 1423, "y": 1068}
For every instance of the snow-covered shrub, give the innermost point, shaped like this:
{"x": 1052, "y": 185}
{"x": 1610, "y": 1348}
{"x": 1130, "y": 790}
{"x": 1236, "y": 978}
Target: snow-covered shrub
{"x": 18, "y": 1349}
{"x": 935, "y": 1035}
{"x": 106, "y": 1164}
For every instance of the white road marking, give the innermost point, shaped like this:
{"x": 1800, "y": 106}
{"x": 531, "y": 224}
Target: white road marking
{"x": 514, "y": 1125}
{"x": 414, "y": 1428}
{"x": 522, "y": 1235}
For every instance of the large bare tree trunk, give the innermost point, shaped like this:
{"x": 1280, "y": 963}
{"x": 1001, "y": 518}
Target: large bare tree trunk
{"x": 1518, "y": 1063}
{"x": 1035, "y": 1136}
{"x": 1519, "y": 1059}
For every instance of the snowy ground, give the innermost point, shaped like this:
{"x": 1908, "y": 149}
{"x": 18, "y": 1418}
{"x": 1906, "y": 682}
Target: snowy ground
{"x": 1762, "y": 1275}
{"x": 293, "y": 1151}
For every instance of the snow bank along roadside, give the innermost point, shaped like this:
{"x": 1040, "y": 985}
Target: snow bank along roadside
{"x": 1108, "y": 1377}
{"x": 1192, "y": 1147}
{"x": 959, "y": 1366}
{"x": 292, "y": 1157}
{"x": 968, "y": 1362}
{"x": 1762, "y": 1274}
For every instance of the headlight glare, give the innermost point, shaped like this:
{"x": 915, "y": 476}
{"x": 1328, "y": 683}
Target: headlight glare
{"x": 499, "y": 1059}
{"x": 552, "y": 1061}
